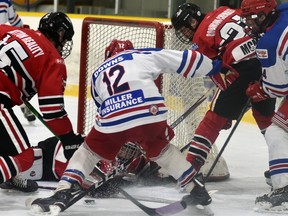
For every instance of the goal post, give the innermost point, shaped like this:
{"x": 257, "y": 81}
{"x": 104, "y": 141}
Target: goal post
{"x": 180, "y": 93}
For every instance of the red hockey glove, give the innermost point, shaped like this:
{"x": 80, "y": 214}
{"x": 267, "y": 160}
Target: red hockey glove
{"x": 71, "y": 142}
{"x": 225, "y": 78}
{"x": 256, "y": 92}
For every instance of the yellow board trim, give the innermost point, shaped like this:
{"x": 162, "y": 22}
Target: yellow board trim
{"x": 72, "y": 90}
{"x": 82, "y": 16}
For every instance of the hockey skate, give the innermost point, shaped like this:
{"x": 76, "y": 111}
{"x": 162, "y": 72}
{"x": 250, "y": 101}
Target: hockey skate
{"x": 198, "y": 196}
{"x": 20, "y": 184}
{"x": 56, "y": 203}
{"x": 28, "y": 114}
{"x": 275, "y": 201}
{"x": 199, "y": 199}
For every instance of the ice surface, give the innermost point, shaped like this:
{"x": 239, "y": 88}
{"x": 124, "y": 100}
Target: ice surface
{"x": 246, "y": 156}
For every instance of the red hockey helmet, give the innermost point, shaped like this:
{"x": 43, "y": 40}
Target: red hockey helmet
{"x": 256, "y": 7}
{"x": 117, "y": 46}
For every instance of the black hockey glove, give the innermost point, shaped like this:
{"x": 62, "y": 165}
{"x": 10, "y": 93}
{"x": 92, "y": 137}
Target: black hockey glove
{"x": 71, "y": 142}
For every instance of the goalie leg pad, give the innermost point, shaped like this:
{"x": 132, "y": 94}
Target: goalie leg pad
{"x": 220, "y": 171}
{"x": 54, "y": 161}
{"x": 172, "y": 160}
{"x": 35, "y": 172}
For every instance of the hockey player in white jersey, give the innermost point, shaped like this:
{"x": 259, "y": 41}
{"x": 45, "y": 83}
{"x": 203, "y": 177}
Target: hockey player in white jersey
{"x": 264, "y": 17}
{"x": 130, "y": 108}
{"x": 8, "y": 14}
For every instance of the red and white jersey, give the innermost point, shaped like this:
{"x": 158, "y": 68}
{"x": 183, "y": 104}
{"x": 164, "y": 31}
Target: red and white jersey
{"x": 8, "y": 14}
{"x": 222, "y": 31}
{"x": 124, "y": 90}
{"x": 29, "y": 65}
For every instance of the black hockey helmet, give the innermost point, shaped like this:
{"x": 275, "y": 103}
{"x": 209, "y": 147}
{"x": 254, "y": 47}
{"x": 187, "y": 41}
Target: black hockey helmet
{"x": 183, "y": 17}
{"x": 58, "y": 27}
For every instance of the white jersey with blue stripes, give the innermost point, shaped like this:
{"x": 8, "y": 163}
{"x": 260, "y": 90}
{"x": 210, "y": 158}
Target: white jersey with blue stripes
{"x": 272, "y": 51}
{"x": 124, "y": 90}
{"x": 8, "y": 14}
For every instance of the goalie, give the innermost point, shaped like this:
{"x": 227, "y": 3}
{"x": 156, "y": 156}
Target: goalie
{"x": 130, "y": 108}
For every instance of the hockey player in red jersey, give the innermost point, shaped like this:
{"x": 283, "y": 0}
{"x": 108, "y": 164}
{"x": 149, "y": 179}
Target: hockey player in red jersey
{"x": 220, "y": 35}
{"x": 32, "y": 62}
{"x": 131, "y": 109}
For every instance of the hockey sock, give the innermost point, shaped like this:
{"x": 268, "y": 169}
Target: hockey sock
{"x": 80, "y": 165}
{"x": 25, "y": 159}
{"x": 262, "y": 121}
{"x": 11, "y": 166}
{"x": 205, "y": 135}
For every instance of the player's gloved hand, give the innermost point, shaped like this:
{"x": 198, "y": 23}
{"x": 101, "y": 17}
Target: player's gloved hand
{"x": 227, "y": 125}
{"x": 225, "y": 78}
{"x": 71, "y": 142}
{"x": 256, "y": 92}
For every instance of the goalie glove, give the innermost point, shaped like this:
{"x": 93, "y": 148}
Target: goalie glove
{"x": 225, "y": 78}
{"x": 256, "y": 92}
{"x": 71, "y": 142}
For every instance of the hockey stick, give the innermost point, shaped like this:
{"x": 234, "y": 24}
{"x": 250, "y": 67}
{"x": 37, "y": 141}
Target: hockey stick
{"x": 166, "y": 210}
{"x": 161, "y": 211}
{"x": 192, "y": 108}
{"x": 180, "y": 119}
{"x": 38, "y": 116}
{"x": 243, "y": 111}
{"x": 169, "y": 209}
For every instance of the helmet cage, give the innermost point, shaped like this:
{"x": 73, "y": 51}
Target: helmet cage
{"x": 183, "y": 38}
{"x": 67, "y": 49}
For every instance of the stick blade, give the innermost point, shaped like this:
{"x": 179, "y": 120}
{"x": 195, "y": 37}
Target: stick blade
{"x": 171, "y": 209}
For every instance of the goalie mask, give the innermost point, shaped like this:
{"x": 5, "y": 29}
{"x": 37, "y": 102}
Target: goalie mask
{"x": 182, "y": 21}
{"x": 117, "y": 46}
{"x": 57, "y": 27}
{"x": 258, "y": 14}
{"x": 131, "y": 158}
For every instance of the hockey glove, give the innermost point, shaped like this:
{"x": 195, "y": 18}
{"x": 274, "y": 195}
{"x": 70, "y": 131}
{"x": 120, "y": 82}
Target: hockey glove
{"x": 225, "y": 78}
{"x": 71, "y": 142}
{"x": 256, "y": 92}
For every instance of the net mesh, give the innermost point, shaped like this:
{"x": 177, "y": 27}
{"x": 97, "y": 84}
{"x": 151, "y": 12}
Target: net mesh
{"x": 179, "y": 93}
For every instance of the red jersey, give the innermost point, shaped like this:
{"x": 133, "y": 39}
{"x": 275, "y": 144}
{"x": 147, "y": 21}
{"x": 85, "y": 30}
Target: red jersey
{"x": 217, "y": 30}
{"x": 29, "y": 65}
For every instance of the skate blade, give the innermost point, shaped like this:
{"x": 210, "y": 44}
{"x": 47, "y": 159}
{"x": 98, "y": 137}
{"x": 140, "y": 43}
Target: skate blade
{"x": 36, "y": 210}
{"x": 266, "y": 207}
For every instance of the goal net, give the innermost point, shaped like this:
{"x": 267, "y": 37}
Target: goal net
{"x": 179, "y": 93}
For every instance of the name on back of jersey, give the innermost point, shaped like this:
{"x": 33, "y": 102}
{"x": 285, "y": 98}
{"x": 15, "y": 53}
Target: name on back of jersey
{"x": 110, "y": 63}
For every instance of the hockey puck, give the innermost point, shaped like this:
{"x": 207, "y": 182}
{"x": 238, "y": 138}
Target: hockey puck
{"x": 29, "y": 201}
{"x": 89, "y": 201}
